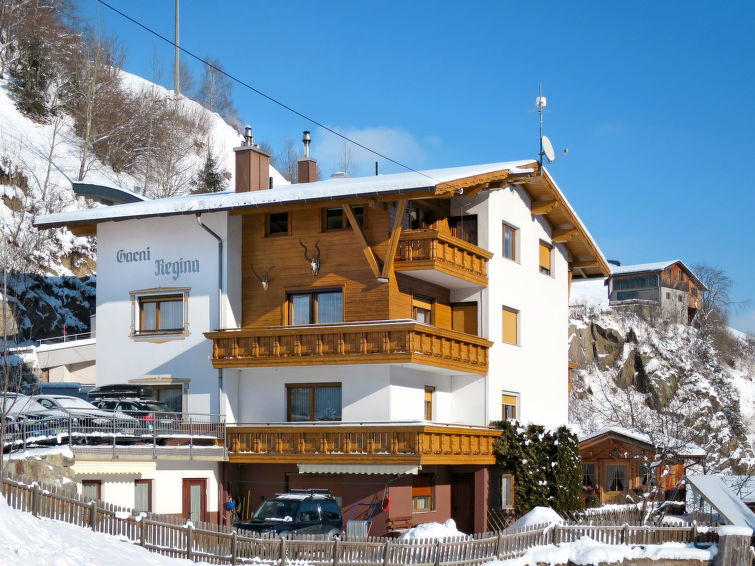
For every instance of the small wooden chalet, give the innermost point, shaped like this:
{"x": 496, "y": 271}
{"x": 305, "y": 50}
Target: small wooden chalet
{"x": 667, "y": 286}
{"x": 618, "y": 463}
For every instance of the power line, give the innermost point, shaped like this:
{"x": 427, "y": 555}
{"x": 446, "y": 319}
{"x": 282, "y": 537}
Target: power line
{"x": 262, "y": 94}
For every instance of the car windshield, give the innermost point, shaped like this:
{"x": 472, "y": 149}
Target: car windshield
{"x": 74, "y": 403}
{"x": 22, "y": 404}
{"x": 156, "y": 407}
{"x": 275, "y": 510}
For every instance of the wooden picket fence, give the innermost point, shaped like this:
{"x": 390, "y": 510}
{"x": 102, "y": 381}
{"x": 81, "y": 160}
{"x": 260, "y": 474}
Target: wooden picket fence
{"x": 217, "y": 544}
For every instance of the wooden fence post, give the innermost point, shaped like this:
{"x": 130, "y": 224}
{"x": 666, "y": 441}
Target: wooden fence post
{"x": 335, "y": 551}
{"x": 387, "y": 552}
{"x": 625, "y": 534}
{"x": 35, "y": 501}
{"x": 283, "y": 552}
{"x": 93, "y": 515}
{"x": 143, "y": 531}
{"x": 556, "y": 535}
{"x": 437, "y": 552}
{"x": 499, "y": 546}
{"x": 189, "y": 542}
{"x": 234, "y": 547}
{"x": 733, "y": 546}
{"x": 694, "y": 531}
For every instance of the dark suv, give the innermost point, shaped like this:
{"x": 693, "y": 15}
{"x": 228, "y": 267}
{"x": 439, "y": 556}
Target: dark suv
{"x": 305, "y": 511}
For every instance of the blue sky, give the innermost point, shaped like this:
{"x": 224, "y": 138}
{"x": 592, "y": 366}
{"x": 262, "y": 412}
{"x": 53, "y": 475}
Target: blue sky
{"x": 653, "y": 100}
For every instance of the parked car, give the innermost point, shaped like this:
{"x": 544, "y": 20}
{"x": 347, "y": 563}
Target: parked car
{"x": 26, "y": 418}
{"x": 121, "y": 391}
{"x": 86, "y": 417}
{"x": 305, "y": 511}
{"x": 151, "y": 413}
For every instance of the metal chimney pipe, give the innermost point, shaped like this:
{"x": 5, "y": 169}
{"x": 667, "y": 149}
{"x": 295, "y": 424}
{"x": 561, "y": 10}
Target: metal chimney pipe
{"x": 306, "y": 139}
{"x": 248, "y": 136}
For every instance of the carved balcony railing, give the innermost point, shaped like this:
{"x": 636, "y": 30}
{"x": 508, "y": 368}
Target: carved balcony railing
{"x": 361, "y": 443}
{"x": 440, "y": 251}
{"x": 375, "y": 342}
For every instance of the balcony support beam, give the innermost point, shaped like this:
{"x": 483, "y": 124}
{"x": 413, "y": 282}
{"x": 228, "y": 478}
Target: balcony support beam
{"x": 366, "y": 249}
{"x": 395, "y": 233}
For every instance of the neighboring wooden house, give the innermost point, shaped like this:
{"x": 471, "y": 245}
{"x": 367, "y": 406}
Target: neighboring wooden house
{"x": 358, "y": 334}
{"x": 668, "y": 287}
{"x": 618, "y": 463}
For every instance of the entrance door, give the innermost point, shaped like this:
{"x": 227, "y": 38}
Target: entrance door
{"x": 462, "y": 501}
{"x": 194, "y": 499}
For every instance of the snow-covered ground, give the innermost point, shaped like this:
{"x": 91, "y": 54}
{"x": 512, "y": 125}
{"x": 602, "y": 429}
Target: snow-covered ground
{"x": 588, "y": 552}
{"x": 44, "y": 542}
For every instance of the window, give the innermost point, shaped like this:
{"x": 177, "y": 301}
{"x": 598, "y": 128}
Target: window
{"x": 545, "y": 257}
{"x": 510, "y": 326}
{"x": 616, "y": 478}
{"x": 509, "y": 242}
{"x": 276, "y": 224}
{"x": 91, "y": 489}
{"x": 678, "y": 298}
{"x": 313, "y": 402}
{"x": 143, "y": 495}
{"x": 336, "y": 219}
{"x": 315, "y": 307}
{"x": 507, "y": 491}
{"x": 429, "y": 402}
{"x": 668, "y": 295}
{"x": 159, "y": 312}
{"x": 694, "y": 291}
{"x": 646, "y": 476}
{"x": 464, "y": 227}
{"x": 422, "y": 309}
{"x": 588, "y": 475}
{"x": 509, "y": 402}
{"x": 422, "y": 492}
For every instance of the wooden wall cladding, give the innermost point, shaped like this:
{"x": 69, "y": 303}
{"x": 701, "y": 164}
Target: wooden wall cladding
{"x": 343, "y": 265}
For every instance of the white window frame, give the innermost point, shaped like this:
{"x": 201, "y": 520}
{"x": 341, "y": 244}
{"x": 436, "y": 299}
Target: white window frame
{"x": 158, "y": 336}
{"x": 517, "y": 404}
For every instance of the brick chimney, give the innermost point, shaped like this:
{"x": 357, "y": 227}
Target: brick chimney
{"x": 252, "y": 165}
{"x": 306, "y": 166}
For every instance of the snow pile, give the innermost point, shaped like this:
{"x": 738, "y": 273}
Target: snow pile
{"x": 536, "y": 516}
{"x": 44, "y": 542}
{"x": 433, "y": 531}
{"x": 588, "y": 552}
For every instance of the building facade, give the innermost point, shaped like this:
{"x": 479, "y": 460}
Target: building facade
{"x": 356, "y": 334}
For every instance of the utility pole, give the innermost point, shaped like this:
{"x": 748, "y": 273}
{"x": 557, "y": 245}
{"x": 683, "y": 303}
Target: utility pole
{"x": 176, "y": 80}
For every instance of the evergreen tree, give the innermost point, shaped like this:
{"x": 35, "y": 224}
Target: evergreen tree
{"x": 31, "y": 77}
{"x": 546, "y": 466}
{"x": 210, "y": 179}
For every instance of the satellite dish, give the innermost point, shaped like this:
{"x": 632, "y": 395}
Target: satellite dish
{"x": 548, "y": 149}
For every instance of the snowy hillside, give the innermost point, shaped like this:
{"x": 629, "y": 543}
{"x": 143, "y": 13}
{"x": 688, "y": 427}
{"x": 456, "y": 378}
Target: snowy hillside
{"x": 50, "y": 287}
{"x": 663, "y": 379}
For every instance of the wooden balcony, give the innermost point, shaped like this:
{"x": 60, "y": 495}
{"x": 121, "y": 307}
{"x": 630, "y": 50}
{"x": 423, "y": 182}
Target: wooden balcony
{"x": 361, "y": 443}
{"x": 441, "y": 258}
{"x": 376, "y": 342}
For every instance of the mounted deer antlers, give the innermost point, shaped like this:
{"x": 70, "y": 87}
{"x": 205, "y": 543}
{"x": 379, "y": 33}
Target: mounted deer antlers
{"x": 264, "y": 280}
{"x": 314, "y": 261}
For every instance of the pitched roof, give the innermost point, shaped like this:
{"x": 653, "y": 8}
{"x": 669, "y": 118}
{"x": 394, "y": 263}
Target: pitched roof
{"x": 656, "y": 266}
{"x": 679, "y": 447}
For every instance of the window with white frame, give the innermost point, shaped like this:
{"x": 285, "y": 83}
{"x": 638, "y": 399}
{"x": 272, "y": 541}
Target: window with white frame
{"x": 159, "y": 312}
{"x": 509, "y": 405}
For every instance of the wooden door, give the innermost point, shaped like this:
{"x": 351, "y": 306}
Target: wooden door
{"x": 462, "y": 502}
{"x": 194, "y": 505}
{"x": 464, "y": 317}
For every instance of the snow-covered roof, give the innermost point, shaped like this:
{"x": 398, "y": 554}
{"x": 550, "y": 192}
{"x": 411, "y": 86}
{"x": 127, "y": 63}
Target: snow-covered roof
{"x": 329, "y": 189}
{"x": 656, "y": 266}
{"x": 679, "y": 447}
{"x": 732, "y": 508}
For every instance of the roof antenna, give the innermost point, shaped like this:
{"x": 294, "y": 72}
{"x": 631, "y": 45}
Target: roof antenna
{"x": 546, "y": 147}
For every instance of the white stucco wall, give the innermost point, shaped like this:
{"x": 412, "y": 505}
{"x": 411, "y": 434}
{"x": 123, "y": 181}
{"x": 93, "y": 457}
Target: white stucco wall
{"x": 536, "y": 368}
{"x": 120, "y": 357}
{"x": 167, "y": 478}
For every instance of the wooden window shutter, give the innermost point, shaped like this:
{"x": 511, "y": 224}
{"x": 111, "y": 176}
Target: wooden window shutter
{"x": 510, "y": 334}
{"x": 545, "y": 257}
{"x": 508, "y": 399}
{"x": 464, "y": 318}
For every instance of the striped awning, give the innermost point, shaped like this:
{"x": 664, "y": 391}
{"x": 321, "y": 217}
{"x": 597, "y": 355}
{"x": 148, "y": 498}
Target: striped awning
{"x": 119, "y": 467}
{"x": 390, "y": 469}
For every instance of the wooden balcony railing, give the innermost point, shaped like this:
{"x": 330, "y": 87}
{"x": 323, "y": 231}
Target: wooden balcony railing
{"x": 361, "y": 443}
{"x": 433, "y": 249}
{"x": 376, "y": 342}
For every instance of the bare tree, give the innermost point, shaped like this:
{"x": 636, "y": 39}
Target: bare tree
{"x": 215, "y": 89}
{"x": 286, "y": 161}
{"x": 345, "y": 161}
